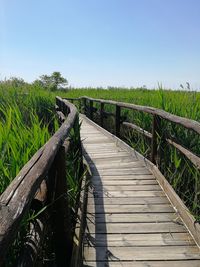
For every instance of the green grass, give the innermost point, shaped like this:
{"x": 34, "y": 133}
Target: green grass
{"x": 26, "y": 123}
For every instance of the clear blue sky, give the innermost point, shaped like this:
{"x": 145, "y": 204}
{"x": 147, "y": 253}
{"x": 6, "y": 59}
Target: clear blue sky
{"x": 102, "y": 42}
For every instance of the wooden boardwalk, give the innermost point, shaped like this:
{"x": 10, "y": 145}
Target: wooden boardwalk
{"x": 130, "y": 221}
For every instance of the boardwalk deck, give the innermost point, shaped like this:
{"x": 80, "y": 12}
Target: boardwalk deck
{"x": 130, "y": 221}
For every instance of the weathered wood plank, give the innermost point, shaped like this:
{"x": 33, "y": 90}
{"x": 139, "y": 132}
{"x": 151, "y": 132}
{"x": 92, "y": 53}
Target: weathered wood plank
{"x": 128, "y": 194}
{"x": 136, "y": 240}
{"x": 117, "y": 165}
{"x": 147, "y": 208}
{"x": 136, "y": 228}
{"x": 128, "y": 201}
{"x": 141, "y": 253}
{"x": 97, "y": 181}
{"x": 101, "y": 160}
{"x": 118, "y": 155}
{"x": 124, "y": 177}
{"x": 178, "y": 263}
{"x": 133, "y": 218}
{"x": 110, "y": 188}
{"x": 122, "y": 171}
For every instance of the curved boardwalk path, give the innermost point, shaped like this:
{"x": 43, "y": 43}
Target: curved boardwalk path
{"x": 130, "y": 221}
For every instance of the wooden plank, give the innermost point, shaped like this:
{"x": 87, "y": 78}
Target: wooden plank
{"x": 128, "y": 194}
{"x": 111, "y": 153}
{"x": 113, "y": 158}
{"x": 136, "y": 228}
{"x": 118, "y": 155}
{"x": 122, "y": 171}
{"x": 95, "y": 141}
{"x": 110, "y": 145}
{"x": 137, "y": 253}
{"x": 96, "y": 137}
{"x": 124, "y": 177}
{"x": 101, "y": 152}
{"x": 133, "y": 218}
{"x": 129, "y": 200}
{"x": 116, "y": 165}
{"x": 102, "y": 160}
{"x": 97, "y": 181}
{"x": 178, "y": 263}
{"x": 147, "y": 208}
{"x": 110, "y": 188}
{"x": 136, "y": 240}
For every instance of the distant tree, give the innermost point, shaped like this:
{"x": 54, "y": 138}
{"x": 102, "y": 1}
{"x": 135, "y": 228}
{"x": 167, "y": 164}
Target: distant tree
{"x": 53, "y": 82}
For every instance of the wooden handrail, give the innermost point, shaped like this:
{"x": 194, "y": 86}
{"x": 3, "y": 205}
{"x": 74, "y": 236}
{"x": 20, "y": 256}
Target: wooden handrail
{"x": 187, "y": 123}
{"x": 16, "y": 199}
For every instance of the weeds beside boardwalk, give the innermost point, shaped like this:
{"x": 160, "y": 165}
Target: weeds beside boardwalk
{"x": 26, "y": 123}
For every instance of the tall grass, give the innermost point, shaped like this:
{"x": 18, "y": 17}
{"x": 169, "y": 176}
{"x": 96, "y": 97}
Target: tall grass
{"x": 26, "y": 123}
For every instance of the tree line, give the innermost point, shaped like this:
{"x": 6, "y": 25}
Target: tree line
{"x": 52, "y": 82}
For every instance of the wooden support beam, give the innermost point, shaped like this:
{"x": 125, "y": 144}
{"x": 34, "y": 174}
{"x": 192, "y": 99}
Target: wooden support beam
{"x": 117, "y": 120}
{"x": 101, "y": 114}
{"x": 61, "y": 217}
{"x": 138, "y": 129}
{"x": 155, "y": 138}
{"x": 91, "y": 110}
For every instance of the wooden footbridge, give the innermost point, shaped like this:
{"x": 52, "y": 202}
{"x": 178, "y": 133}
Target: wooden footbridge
{"x": 129, "y": 215}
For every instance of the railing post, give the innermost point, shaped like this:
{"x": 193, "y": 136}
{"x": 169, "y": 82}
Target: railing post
{"x": 117, "y": 120}
{"x": 84, "y": 106}
{"x": 155, "y": 138}
{"x": 61, "y": 216}
{"x": 101, "y": 114}
{"x": 91, "y": 110}
{"x": 79, "y": 105}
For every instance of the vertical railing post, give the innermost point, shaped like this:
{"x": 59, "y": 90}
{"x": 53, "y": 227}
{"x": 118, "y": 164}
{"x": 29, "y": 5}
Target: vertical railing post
{"x": 156, "y": 125}
{"x": 117, "y": 120}
{"x": 79, "y": 105}
{"x": 84, "y": 106}
{"x": 101, "y": 113}
{"x": 91, "y": 110}
{"x": 61, "y": 216}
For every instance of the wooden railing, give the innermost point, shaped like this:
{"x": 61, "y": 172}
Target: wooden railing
{"x": 88, "y": 108}
{"x": 41, "y": 181}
